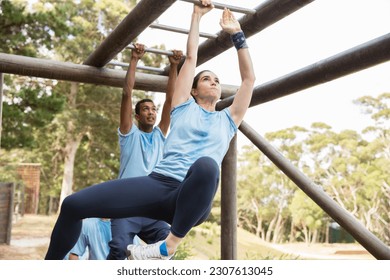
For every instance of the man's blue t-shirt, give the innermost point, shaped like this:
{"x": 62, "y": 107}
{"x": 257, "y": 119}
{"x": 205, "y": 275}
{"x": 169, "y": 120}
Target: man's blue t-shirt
{"x": 139, "y": 151}
{"x": 94, "y": 237}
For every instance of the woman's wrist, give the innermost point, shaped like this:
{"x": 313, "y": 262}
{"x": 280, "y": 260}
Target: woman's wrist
{"x": 239, "y": 40}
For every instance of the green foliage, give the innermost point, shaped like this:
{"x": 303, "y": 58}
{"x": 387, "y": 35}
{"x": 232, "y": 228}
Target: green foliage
{"x": 26, "y": 111}
{"x": 25, "y": 32}
{"x": 39, "y": 118}
{"x": 8, "y": 173}
{"x": 184, "y": 251}
{"x": 306, "y": 213}
{"x": 44, "y": 116}
{"x": 351, "y": 168}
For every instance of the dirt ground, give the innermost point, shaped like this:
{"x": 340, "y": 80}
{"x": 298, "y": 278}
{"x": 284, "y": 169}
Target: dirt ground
{"x": 29, "y": 238}
{"x": 31, "y": 233}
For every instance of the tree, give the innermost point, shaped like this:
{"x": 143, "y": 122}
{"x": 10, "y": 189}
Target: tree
{"x": 377, "y": 156}
{"x": 352, "y": 168}
{"x": 28, "y": 102}
{"x": 307, "y": 216}
{"x": 78, "y": 143}
{"x": 264, "y": 191}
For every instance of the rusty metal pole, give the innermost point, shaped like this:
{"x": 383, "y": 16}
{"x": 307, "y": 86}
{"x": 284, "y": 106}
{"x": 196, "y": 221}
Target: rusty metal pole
{"x": 363, "y": 56}
{"x": 1, "y": 105}
{"x": 229, "y": 203}
{"x": 368, "y": 240}
{"x": 139, "y": 18}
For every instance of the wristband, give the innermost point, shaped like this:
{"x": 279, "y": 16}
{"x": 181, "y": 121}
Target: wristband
{"x": 239, "y": 40}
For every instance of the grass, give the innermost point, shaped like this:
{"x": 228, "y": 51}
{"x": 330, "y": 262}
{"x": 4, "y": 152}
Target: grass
{"x": 202, "y": 243}
{"x": 205, "y": 243}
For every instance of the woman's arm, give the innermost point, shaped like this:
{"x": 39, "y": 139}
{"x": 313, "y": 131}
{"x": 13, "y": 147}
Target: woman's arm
{"x": 186, "y": 75}
{"x": 244, "y": 94}
{"x": 166, "y": 111}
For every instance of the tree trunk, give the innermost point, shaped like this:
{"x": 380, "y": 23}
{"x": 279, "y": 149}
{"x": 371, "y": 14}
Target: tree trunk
{"x": 73, "y": 140}
{"x": 70, "y": 155}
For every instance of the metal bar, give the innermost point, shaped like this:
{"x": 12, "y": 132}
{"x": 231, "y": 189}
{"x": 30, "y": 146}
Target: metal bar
{"x": 223, "y": 6}
{"x": 229, "y": 203}
{"x": 145, "y": 13}
{"x": 180, "y": 30}
{"x": 1, "y": 104}
{"x": 153, "y": 50}
{"x": 66, "y": 71}
{"x": 45, "y": 68}
{"x": 369, "y": 241}
{"x": 150, "y": 68}
{"x": 358, "y": 58}
{"x": 267, "y": 13}
{"x": 140, "y": 67}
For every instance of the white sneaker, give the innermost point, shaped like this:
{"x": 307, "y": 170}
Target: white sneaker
{"x": 156, "y": 251}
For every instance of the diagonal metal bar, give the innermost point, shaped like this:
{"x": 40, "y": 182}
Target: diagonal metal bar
{"x": 266, "y": 14}
{"x": 145, "y": 13}
{"x": 368, "y": 240}
{"x": 358, "y": 58}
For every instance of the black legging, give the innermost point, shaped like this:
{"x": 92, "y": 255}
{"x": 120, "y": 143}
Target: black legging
{"x": 182, "y": 204}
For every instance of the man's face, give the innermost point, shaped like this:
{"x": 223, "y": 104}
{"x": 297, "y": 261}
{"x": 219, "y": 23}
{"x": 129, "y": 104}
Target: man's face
{"x": 147, "y": 114}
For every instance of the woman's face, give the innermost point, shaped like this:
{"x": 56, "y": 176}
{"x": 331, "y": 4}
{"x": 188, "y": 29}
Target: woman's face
{"x": 208, "y": 86}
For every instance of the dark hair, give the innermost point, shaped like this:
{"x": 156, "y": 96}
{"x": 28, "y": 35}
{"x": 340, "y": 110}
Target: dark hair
{"x": 196, "y": 78}
{"x": 138, "y": 105}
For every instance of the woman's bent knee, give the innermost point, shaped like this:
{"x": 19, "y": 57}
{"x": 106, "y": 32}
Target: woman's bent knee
{"x": 69, "y": 205}
{"x": 207, "y": 165}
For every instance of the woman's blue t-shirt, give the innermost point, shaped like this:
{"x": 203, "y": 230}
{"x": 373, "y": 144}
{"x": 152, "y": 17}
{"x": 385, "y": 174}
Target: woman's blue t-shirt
{"x": 194, "y": 133}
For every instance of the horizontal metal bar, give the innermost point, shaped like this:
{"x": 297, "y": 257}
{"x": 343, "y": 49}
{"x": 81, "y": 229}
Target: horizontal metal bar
{"x": 223, "y": 6}
{"x": 66, "y": 71}
{"x": 152, "y": 50}
{"x": 140, "y": 67}
{"x": 181, "y": 30}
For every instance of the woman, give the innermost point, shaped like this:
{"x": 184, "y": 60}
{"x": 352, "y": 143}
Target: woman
{"x": 181, "y": 188}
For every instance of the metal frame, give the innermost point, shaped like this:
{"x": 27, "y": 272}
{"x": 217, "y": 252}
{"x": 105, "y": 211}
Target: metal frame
{"x": 269, "y": 12}
{"x": 140, "y": 67}
{"x": 180, "y": 30}
{"x": 1, "y": 104}
{"x": 222, "y": 6}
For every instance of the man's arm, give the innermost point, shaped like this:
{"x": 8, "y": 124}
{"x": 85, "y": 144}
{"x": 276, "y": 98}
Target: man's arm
{"x": 126, "y": 118}
{"x": 73, "y": 257}
{"x": 166, "y": 112}
{"x": 81, "y": 245}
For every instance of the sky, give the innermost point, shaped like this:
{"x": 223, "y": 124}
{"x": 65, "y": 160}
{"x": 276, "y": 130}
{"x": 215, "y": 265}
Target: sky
{"x": 317, "y": 31}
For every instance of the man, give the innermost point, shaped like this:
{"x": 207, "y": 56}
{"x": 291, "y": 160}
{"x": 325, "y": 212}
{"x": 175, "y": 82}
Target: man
{"x": 140, "y": 150}
{"x": 93, "y": 241}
